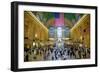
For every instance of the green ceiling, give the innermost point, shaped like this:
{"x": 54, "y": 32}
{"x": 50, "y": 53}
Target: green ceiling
{"x": 69, "y": 16}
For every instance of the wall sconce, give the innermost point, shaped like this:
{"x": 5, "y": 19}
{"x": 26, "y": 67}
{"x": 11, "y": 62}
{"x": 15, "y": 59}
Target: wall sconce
{"x": 33, "y": 43}
{"x": 35, "y": 35}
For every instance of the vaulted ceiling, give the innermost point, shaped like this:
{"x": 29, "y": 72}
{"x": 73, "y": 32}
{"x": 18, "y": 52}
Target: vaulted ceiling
{"x": 48, "y": 18}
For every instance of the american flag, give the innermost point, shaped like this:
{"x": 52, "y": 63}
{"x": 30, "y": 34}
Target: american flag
{"x": 59, "y": 19}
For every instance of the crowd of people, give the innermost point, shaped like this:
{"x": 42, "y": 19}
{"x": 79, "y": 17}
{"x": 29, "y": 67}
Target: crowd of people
{"x": 52, "y": 52}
